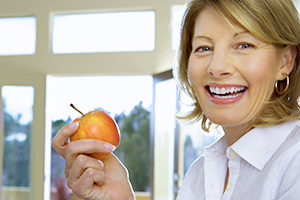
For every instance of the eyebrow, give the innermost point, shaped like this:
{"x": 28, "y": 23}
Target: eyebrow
{"x": 240, "y": 33}
{"x": 202, "y": 36}
{"x": 208, "y": 38}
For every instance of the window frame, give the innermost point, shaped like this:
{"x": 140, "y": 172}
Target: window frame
{"x": 157, "y": 78}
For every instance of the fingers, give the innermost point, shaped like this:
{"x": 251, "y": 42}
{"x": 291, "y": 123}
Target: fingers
{"x": 85, "y": 184}
{"x": 89, "y": 179}
{"x": 86, "y": 146}
{"x": 61, "y": 138}
{"x": 82, "y": 163}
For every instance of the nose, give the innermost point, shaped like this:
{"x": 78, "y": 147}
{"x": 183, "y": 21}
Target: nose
{"x": 221, "y": 64}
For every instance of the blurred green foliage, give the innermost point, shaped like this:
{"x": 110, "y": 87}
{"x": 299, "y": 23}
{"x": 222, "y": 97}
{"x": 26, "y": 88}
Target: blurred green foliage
{"x": 134, "y": 149}
{"x": 16, "y": 152}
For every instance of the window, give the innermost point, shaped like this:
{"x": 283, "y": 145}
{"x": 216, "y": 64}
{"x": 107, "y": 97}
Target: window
{"x": 127, "y": 98}
{"x": 176, "y": 18}
{"x": 18, "y": 114}
{"x": 104, "y": 32}
{"x": 17, "y": 36}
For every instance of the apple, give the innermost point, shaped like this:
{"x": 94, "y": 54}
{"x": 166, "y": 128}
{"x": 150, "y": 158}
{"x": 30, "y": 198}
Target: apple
{"x": 99, "y": 125}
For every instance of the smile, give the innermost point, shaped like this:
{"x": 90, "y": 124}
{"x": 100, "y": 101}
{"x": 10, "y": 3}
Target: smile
{"x": 225, "y": 94}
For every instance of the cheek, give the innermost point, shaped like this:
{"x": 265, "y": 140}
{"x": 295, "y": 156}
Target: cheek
{"x": 195, "y": 72}
{"x": 260, "y": 72}
{"x": 195, "y": 76}
{"x": 260, "y": 77}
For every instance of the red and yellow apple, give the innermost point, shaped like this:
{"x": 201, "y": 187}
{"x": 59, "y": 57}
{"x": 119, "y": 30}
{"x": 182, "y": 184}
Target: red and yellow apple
{"x": 99, "y": 125}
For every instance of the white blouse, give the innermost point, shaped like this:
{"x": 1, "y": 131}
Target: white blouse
{"x": 264, "y": 164}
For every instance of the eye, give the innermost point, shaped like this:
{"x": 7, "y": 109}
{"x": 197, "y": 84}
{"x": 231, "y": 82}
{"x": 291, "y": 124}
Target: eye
{"x": 203, "y": 49}
{"x": 245, "y": 45}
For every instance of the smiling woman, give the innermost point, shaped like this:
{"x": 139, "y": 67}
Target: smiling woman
{"x": 245, "y": 39}
{"x": 239, "y": 62}
{"x": 235, "y": 61}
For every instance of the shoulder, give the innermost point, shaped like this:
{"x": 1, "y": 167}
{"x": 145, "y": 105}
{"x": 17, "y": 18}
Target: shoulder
{"x": 289, "y": 160}
{"x": 289, "y": 187}
{"x": 291, "y": 146}
{"x": 292, "y": 149}
{"x": 196, "y": 165}
{"x": 195, "y": 170}
{"x": 289, "y": 150}
{"x": 193, "y": 181}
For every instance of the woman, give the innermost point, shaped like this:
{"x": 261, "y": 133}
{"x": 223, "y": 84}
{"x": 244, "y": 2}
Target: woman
{"x": 239, "y": 61}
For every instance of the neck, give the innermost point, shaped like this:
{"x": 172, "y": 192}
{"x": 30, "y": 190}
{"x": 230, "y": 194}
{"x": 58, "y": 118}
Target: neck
{"x": 232, "y": 134}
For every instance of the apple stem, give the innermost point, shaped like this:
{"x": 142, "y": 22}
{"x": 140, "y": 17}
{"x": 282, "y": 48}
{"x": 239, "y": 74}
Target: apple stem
{"x": 76, "y": 109}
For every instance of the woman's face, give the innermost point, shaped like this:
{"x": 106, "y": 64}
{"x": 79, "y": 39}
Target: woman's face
{"x": 232, "y": 72}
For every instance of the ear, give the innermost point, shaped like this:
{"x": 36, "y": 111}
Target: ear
{"x": 288, "y": 59}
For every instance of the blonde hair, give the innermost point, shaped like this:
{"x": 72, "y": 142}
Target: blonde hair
{"x": 272, "y": 21}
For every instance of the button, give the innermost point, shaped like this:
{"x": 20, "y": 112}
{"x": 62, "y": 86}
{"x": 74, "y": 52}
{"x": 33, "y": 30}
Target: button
{"x": 229, "y": 186}
{"x": 232, "y": 154}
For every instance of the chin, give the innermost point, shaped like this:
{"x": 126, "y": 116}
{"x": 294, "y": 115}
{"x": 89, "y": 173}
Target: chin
{"x": 226, "y": 121}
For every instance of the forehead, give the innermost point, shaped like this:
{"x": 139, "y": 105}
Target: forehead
{"x": 210, "y": 20}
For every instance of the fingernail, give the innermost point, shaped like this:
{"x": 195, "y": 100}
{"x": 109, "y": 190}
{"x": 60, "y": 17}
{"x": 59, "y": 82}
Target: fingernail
{"x": 109, "y": 147}
{"x": 74, "y": 125}
{"x": 101, "y": 163}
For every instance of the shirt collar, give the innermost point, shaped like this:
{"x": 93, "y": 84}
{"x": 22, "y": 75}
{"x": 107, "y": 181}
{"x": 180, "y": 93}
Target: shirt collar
{"x": 260, "y": 144}
{"x": 218, "y": 147}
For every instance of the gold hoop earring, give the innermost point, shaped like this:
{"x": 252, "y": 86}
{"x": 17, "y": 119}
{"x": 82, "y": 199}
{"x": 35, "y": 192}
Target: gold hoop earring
{"x": 286, "y": 86}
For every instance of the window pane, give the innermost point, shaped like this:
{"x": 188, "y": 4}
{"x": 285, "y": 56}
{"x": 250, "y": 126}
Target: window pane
{"x": 104, "y": 32}
{"x": 127, "y": 98}
{"x": 18, "y": 114}
{"x": 176, "y": 18}
{"x": 17, "y": 36}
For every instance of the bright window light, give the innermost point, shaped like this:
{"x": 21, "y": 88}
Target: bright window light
{"x": 104, "y": 32}
{"x": 17, "y": 36}
{"x": 297, "y": 3}
{"x": 176, "y": 18}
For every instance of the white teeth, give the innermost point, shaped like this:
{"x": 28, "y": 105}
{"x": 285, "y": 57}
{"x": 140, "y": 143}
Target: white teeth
{"x": 227, "y": 97}
{"x": 218, "y": 90}
{"x": 223, "y": 91}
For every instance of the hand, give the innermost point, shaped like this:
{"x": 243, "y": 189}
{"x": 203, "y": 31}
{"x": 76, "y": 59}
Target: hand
{"x": 88, "y": 177}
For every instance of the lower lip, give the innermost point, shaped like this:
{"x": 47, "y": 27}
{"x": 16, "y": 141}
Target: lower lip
{"x": 216, "y": 100}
